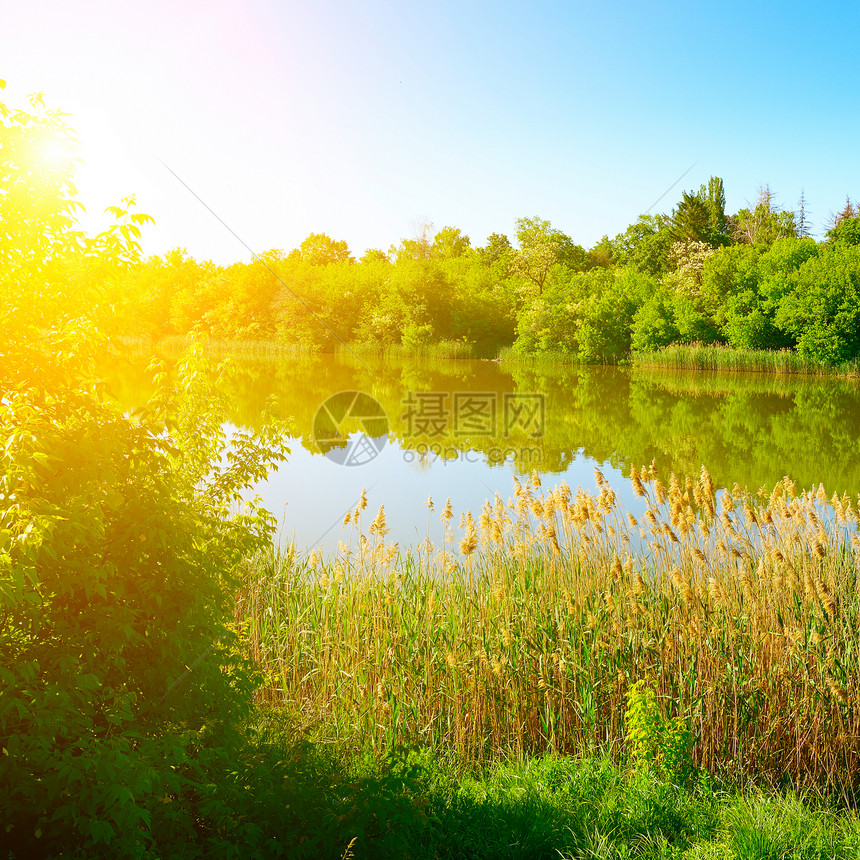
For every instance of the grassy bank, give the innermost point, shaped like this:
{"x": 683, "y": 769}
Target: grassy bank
{"x": 219, "y": 347}
{"x": 740, "y": 613}
{"x": 692, "y": 357}
{"x": 178, "y": 345}
{"x": 697, "y": 356}
{"x": 545, "y": 358}
{"x": 440, "y": 349}
{"x": 313, "y": 800}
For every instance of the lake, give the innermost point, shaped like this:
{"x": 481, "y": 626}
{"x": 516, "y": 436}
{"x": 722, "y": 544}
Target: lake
{"x": 408, "y": 429}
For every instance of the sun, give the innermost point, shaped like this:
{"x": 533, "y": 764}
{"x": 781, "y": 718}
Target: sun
{"x": 56, "y": 152}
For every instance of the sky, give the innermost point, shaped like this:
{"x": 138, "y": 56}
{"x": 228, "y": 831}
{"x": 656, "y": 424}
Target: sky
{"x": 246, "y": 126}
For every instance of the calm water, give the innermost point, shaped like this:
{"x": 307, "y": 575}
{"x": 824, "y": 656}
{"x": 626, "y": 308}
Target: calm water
{"x": 464, "y": 429}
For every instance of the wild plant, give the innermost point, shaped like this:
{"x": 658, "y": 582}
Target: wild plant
{"x": 525, "y": 630}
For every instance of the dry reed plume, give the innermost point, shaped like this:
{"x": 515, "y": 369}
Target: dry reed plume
{"x": 739, "y": 609}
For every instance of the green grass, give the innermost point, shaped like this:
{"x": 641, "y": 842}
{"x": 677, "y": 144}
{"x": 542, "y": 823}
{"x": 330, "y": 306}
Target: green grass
{"x": 249, "y": 347}
{"x": 440, "y": 349}
{"x": 177, "y": 345}
{"x": 295, "y": 795}
{"x": 697, "y": 356}
{"x": 511, "y": 355}
{"x": 690, "y": 382}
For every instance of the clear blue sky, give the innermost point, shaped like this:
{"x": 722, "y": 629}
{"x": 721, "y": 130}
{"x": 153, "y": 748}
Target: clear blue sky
{"x": 362, "y": 119}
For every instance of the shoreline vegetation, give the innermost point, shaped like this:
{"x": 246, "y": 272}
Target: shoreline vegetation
{"x": 683, "y": 357}
{"x": 560, "y": 679}
{"x": 697, "y": 286}
{"x": 524, "y": 633}
{"x": 722, "y": 358}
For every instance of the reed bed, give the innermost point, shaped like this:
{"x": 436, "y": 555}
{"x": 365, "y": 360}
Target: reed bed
{"x": 509, "y": 354}
{"x": 524, "y": 631}
{"x": 695, "y": 383}
{"x": 699, "y": 356}
{"x": 440, "y": 349}
{"x": 176, "y": 345}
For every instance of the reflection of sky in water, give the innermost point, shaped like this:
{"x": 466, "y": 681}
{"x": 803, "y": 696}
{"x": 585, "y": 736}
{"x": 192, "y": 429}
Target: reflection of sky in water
{"x": 310, "y": 494}
{"x": 746, "y": 428}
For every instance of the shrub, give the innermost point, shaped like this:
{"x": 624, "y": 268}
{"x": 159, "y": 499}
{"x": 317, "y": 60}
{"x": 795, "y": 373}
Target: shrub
{"x": 121, "y": 675}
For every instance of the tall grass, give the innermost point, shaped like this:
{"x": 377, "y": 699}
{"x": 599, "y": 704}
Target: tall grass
{"x": 688, "y": 382}
{"x": 439, "y": 349}
{"x": 254, "y": 347}
{"x": 524, "y": 631}
{"x": 510, "y": 354}
{"x": 699, "y": 356}
{"x": 247, "y": 347}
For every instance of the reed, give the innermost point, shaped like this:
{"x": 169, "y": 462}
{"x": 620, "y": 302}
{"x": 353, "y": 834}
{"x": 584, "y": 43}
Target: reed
{"x": 699, "y": 356}
{"x": 439, "y": 349}
{"x": 174, "y": 345}
{"x": 524, "y": 631}
{"x": 544, "y": 358}
{"x": 686, "y": 382}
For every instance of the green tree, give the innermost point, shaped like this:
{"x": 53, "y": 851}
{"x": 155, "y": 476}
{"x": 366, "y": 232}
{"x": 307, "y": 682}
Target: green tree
{"x": 321, "y": 250}
{"x": 694, "y": 323}
{"x": 601, "y": 255}
{"x": 306, "y": 314}
{"x": 39, "y": 204}
{"x": 822, "y": 310}
{"x": 449, "y": 243}
{"x": 690, "y": 220}
{"x": 484, "y": 304}
{"x": 701, "y": 216}
{"x": 645, "y": 245}
{"x": 196, "y": 293}
{"x": 730, "y": 292}
{"x": 541, "y": 248}
{"x": 687, "y": 260}
{"x": 374, "y": 255}
{"x": 778, "y": 267}
{"x": 497, "y": 249}
{"x": 586, "y": 314}
{"x": 247, "y": 305}
{"x": 653, "y": 325}
{"x": 714, "y": 195}
{"x": 846, "y": 231}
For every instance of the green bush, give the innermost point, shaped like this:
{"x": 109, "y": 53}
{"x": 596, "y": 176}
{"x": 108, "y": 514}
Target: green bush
{"x": 822, "y": 309}
{"x": 122, "y": 680}
{"x": 655, "y": 742}
{"x": 653, "y": 325}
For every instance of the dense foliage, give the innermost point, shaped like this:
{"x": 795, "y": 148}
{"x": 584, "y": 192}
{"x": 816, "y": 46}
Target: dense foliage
{"x": 122, "y": 683}
{"x": 752, "y": 280}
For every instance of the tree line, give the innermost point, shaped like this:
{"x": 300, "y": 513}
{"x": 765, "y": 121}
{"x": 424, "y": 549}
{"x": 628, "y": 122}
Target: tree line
{"x": 754, "y": 279}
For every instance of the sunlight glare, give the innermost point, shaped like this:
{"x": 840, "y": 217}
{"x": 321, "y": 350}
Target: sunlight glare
{"x": 56, "y": 152}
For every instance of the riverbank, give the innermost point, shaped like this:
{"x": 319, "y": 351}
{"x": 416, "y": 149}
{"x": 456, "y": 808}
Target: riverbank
{"x": 698, "y": 356}
{"x": 306, "y": 799}
{"x": 524, "y": 632}
{"x": 695, "y": 356}
{"x": 540, "y": 687}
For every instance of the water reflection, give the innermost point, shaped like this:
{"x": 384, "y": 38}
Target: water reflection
{"x": 452, "y": 432}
